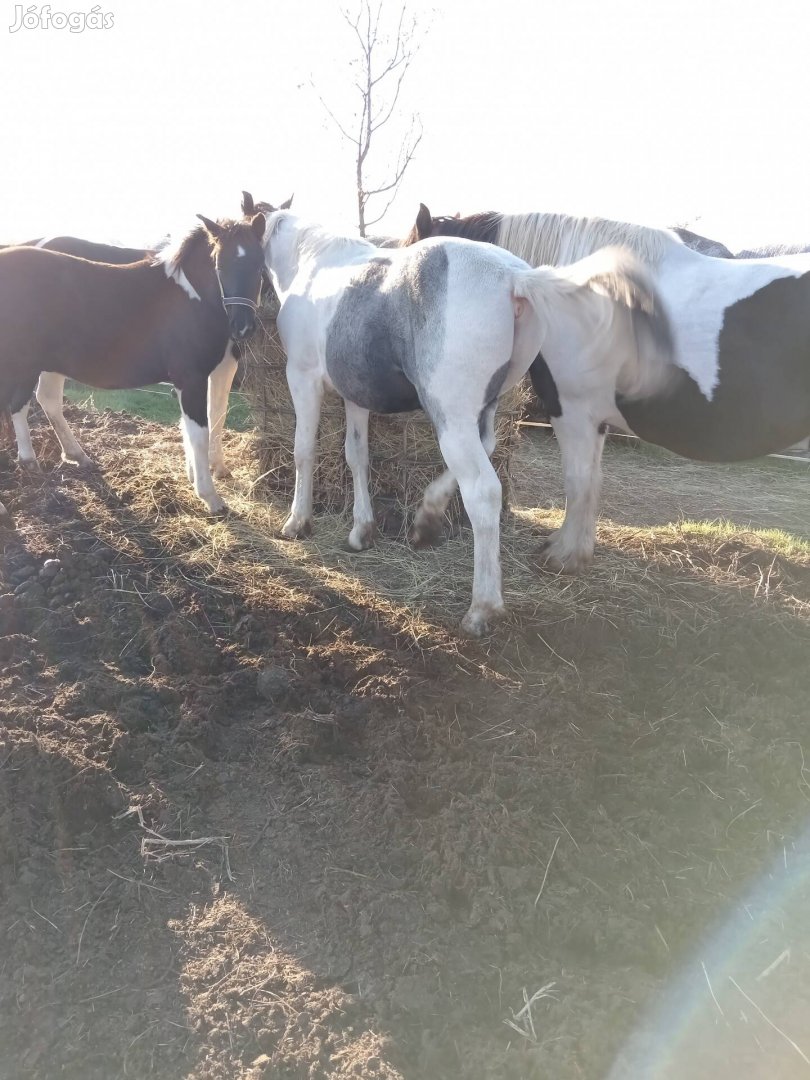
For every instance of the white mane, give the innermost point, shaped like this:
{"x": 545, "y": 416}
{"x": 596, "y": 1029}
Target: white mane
{"x": 558, "y": 239}
{"x": 312, "y": 240}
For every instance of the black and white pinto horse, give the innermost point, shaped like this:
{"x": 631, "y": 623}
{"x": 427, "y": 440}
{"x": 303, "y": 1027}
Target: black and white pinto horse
{"x": 447, "y": 326}
{"x": 740, "y": 382}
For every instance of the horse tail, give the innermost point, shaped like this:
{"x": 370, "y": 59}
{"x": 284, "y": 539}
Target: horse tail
{"x": 580, "y": 290}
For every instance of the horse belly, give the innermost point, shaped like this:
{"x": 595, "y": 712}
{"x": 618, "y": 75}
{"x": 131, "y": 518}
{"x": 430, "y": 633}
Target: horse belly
{"x": 372, "y": 379}
{"x": 760, "y": 401}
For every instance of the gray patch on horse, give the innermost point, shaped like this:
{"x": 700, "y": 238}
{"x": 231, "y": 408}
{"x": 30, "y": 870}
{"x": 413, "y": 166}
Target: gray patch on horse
{"x": 380, "y": 345}
{"x": 492, "y": 393}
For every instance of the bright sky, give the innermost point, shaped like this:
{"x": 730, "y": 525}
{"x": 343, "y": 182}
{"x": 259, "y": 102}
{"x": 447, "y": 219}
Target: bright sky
{"x": 659, "y": 111}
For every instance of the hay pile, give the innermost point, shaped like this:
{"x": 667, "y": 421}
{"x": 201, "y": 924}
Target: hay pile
{"x": 403, "y": 453}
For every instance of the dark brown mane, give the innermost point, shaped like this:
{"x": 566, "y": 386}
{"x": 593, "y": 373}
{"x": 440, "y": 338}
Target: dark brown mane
{"x": 482, "y": 227}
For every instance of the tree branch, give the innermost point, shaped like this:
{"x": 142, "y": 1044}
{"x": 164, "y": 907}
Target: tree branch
{"x": 383, "y": 60}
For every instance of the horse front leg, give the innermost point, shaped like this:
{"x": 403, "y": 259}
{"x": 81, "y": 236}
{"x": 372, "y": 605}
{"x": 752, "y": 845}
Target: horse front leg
{"x": 50, "y": 394}
{"x": 219, "y": 389}
{"x": 468, "y": 461}
{"x": 569, "y": 549}
{"x": 306, "y": 391}
{"x": 362, "y": 534}
{"x": 193, "y": 422}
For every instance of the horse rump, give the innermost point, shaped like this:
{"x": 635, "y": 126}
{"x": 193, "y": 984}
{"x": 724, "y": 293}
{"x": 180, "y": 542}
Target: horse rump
{"x": 579, "y": 290}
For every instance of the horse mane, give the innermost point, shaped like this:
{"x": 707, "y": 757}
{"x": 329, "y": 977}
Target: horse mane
{"x": 770, "y": 251}
{"x": 314, "y": 240}
{"x": 559, "y": 239}
{"x": 386, "y": 241}
{"x": 176, "y": 251}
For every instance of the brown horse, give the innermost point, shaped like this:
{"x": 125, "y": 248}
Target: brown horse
{"x": 166, "y": 318}
{"x": 51, "y": 386}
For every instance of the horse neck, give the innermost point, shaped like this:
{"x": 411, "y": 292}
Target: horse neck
{"x": 193, "y": 268}
{"x": 302, "y": 247}
{"x": 559, "y": 239}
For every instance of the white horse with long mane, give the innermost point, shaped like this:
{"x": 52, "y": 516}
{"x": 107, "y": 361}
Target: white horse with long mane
{"x": 447, "y": 326}
{"x": 740, "y": 383}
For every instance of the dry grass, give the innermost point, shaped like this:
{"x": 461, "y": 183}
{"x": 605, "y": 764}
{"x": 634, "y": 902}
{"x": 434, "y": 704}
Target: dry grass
{"x": 649, "y": 573}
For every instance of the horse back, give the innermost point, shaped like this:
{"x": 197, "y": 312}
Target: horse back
{"x": 89, "y": 249}
{"x": 103, "y": 324}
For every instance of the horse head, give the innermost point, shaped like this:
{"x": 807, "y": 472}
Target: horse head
{"x": 249, "y": 207}
{"x": 426, "y": 225}
{"x": 236, "y": 250}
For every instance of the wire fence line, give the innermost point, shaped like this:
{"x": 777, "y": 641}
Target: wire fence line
{"x": 799, "y": 454}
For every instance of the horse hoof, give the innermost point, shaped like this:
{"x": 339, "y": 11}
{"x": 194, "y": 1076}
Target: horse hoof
{"x": 293, "y": 529}
{"x": 361, "y": 538}
{"x": 216, "y": 506}
{"x": 476, "y": 622}
{"x": 567, "y": 564}
{"x": 426, "y": 531}
{"x": 220, "y": 471}
{"x": 31, "y": 465}
{"x": 80, "y": 461}
{"x": 564, "y": 562}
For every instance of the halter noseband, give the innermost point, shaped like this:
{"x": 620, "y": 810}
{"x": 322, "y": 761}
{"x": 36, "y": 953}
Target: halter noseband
{"x": 234, "y": 301}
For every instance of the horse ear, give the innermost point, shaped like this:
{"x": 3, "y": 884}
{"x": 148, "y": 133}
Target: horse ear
{"x": 211, "y": 227}
{"x": 286, "y": 205}
{"x": 258, "y": 224}
{"x": 457, "y": 215}
{"x": 424, "y": 222}
{"x": 248, "y": 208}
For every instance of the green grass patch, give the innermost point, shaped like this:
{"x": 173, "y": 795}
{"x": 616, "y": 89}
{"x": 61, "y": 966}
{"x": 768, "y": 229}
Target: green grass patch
{"x": 156, "y": 403}
{"x": 778, "y": 541}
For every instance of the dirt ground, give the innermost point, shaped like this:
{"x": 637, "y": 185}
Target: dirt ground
{"x": 287, "y": 831}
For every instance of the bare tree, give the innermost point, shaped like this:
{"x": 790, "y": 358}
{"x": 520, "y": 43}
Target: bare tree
{"x": 381, "y": 65}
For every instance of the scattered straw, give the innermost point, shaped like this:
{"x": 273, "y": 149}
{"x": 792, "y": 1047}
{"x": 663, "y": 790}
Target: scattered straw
{"x": 522, "y": 1021}
{"x": 770, "y": 1022}
{"x": 661, "y": 571}
{"x": 157, "y": 847}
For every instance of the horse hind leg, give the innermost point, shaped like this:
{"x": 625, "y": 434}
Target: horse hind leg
{"x": 569, "y": 549}
{"x": 50, "y": 393}
{"x": 467, "y": 459}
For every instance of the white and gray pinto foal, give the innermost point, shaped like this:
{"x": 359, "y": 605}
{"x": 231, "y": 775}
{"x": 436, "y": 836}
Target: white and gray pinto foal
{"x": 447, "y": 326}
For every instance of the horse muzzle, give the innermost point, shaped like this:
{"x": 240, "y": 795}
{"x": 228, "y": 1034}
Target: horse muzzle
{"x": 241, "y": 316}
